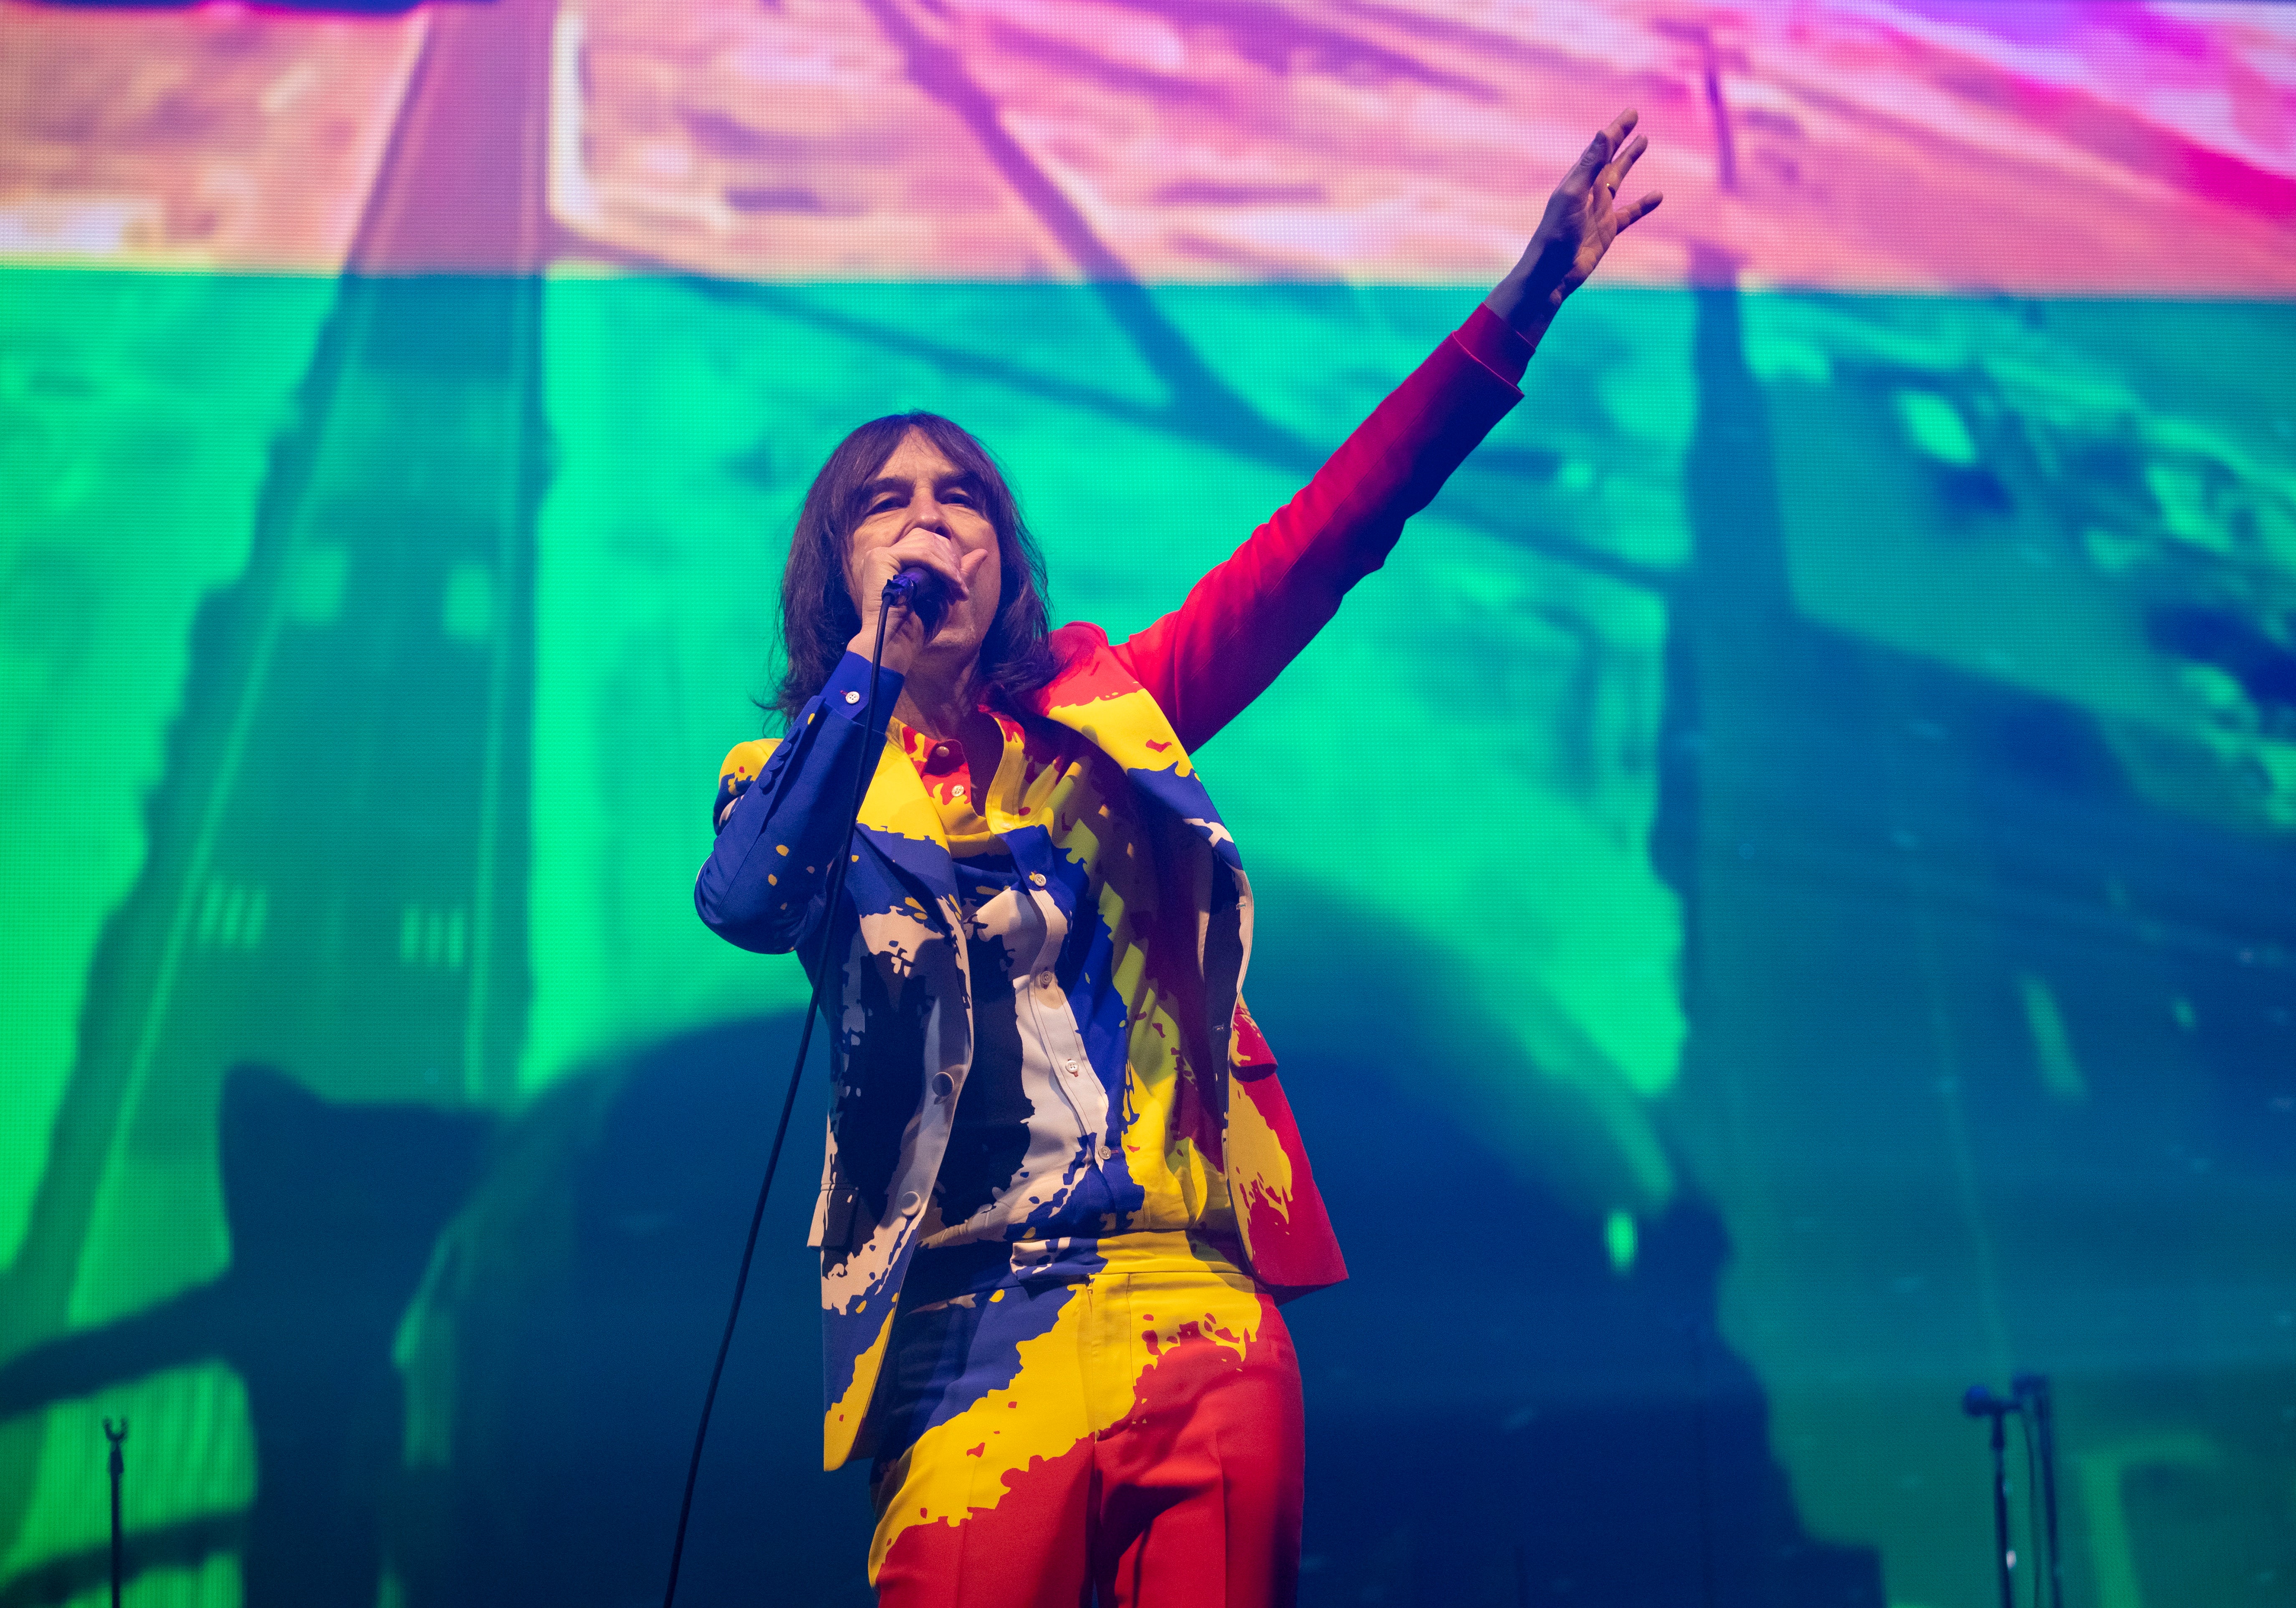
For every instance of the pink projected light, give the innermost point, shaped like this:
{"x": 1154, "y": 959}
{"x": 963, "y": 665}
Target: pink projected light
{"x": 218, "y": 137}
{"x": 1913, "y": 145}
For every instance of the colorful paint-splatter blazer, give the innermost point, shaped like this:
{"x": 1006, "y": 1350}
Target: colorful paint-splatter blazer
{"x": 1128, "y": 845}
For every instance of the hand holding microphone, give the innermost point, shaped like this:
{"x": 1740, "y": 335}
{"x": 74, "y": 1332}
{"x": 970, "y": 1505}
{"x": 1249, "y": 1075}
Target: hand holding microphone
{"x": 922, "y": 578}
{"x": 922, "y": 593}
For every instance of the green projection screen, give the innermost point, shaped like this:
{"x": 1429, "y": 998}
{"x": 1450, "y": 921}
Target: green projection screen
{"x": 1777, "y": 905}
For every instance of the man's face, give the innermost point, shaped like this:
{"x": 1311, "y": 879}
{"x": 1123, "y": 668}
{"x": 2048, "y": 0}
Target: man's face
{"x": 920, "y": 497}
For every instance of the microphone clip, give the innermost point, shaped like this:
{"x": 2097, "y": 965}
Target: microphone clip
{"x": 921, "y": 592}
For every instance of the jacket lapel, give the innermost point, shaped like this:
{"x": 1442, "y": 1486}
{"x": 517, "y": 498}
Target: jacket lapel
{"x": 1107, "y": 706}
{"x": 898, "y": 817}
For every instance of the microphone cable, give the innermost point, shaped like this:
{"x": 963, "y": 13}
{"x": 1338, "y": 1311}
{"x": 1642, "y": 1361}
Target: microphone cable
{"x": 897, "y": 590}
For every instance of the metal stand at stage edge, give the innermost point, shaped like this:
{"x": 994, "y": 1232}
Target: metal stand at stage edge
{"x": 2030, "y": 1401}
{"x": 118, "y": 1465}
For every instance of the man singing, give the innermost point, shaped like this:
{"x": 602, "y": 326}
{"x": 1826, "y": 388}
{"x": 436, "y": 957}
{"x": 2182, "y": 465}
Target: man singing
{"x": 1064, "y": 1195}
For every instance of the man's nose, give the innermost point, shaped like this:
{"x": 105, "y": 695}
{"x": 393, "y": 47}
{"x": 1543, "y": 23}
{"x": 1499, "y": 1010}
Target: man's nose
{"x": 925, "y": 514}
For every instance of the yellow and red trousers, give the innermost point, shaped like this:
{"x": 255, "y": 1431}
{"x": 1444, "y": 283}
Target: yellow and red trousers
{"x": 1117, "y": 1422}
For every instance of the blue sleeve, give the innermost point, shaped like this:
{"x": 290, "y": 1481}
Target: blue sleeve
{"x": 765, "y": 882}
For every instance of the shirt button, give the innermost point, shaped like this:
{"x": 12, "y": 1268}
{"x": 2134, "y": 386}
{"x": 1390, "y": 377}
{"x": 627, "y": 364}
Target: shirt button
{"x": 957, "y": 791}
{"x": 1038, "y": 878}
{"x": 852, "y": 697}
{"x": 1107, "y": 1152}
{"x": 941, "y": 751}
{"x": 1072, "y": 1065}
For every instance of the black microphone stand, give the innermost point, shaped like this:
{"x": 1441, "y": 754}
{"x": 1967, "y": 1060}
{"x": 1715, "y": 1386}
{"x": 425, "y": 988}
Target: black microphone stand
{"x": 119, "y": 1461}
{"x": 2032, "y": 1393}
{"x": 1982, "y": 1403}
{"x": 902, "y": 589}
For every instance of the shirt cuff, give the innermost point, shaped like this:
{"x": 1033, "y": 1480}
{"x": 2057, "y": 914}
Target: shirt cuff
{"x": 1496, "y": 344}
{"x": 847, "y": 691}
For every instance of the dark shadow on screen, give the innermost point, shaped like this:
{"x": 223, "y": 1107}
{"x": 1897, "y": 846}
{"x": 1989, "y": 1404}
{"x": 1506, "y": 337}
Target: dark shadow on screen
{"x": 587, "y": 1281}
{"x": 332, "y": 1211}
{"x": 1497, "y": 1402}
{"x": 527, "y": 1443}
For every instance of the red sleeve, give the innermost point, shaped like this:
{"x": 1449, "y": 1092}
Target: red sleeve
{"x": 1496, "y": 344}
{"x": 1208, "y": 659}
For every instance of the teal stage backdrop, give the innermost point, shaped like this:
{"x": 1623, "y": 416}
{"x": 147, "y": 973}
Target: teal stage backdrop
{"x": 1859, "y": 682}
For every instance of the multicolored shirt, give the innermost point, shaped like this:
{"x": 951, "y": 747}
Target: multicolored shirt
{"x": 1036, "y": 1130}
{"x": 1124, "y": 885}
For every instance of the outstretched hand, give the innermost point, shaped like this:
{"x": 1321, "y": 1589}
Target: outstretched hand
{"x": 1583, "y": 218}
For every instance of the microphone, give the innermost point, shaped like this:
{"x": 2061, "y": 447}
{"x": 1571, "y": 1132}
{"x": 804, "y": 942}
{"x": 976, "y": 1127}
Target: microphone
{"x": 1981, "y": 1403}
{"x": 922, "y": 592}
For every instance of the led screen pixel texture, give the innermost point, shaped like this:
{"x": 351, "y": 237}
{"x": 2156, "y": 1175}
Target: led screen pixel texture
{"x": 1775, "y": 904}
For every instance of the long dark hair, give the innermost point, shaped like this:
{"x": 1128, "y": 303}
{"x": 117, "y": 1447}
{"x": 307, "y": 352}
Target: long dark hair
{"x": 818, "y": 617}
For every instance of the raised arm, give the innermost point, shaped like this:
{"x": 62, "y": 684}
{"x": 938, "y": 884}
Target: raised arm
{"x": 1245, "y": 621}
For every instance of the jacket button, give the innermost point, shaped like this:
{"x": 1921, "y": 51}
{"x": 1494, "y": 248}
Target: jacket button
{"x": 910, "y": 1203}
{"x": 943, "y": 1085}
{"x": 1038, "y": 878}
